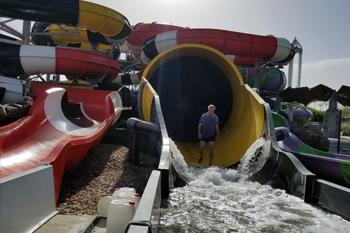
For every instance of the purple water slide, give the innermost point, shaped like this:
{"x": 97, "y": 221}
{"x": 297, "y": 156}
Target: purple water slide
{"x": 324, "y": 167}
{"x": 327, "y": 168}
{"x": 300, "y": 112}
{"x": 290, "y": 143}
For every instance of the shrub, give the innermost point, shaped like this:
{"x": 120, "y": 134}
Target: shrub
{"x": 318, "y": 115}
{"x": 300, "y": 120}
{"x": 346, "y": 131}
{"x": 346, "y": 111}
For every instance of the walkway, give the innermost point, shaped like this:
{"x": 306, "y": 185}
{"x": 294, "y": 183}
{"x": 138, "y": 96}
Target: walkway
{"x": 344, "y": 145}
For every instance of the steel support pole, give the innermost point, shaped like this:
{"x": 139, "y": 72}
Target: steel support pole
{"x": 290, "y": 73}
{"x": 26, "y": 32}
{"x": 299, "y": 68}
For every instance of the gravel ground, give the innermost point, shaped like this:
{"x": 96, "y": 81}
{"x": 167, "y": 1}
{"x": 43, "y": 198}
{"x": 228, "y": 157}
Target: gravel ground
{"x": 104, "y": 168}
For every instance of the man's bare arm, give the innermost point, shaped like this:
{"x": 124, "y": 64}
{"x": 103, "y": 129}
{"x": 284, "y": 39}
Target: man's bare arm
{"x": 217, "y": 132}
{"x": 199, "y": 131}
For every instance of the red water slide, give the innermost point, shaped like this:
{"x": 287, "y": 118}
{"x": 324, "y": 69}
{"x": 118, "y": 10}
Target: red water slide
{"x": 64, "y": 123}
{"x": 62, "y": 126}
{"x": 242, "y": 48}
{"x": 54, "y": 60}
{"x": 140, "y": 33}
{"x": 143, "y": 31}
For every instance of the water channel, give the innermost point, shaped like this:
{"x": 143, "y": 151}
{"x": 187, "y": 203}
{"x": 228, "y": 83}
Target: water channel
{"x": 222, "y": 200}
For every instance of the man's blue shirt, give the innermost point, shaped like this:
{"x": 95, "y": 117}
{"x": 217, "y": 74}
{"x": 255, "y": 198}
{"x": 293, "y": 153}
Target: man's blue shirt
{"x": 208, "y": 124}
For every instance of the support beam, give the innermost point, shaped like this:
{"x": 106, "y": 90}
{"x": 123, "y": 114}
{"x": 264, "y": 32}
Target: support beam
{"x": 290, "y": 73}
{"x": 26, "y": 32}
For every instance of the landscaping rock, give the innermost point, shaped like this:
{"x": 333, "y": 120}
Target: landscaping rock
{"x": 14, "y": 111}
{"x": 311, "y": 135}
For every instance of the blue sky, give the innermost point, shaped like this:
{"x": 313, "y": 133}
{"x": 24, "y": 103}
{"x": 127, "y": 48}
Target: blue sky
{"x": 321, "y": 26}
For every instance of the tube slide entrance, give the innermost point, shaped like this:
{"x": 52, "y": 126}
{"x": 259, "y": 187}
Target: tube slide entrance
{"x": 187, "y": 79}
{"x": 190, "y": 84}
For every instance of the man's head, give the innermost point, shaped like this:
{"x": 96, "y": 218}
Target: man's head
{"x": 211, "y": 109}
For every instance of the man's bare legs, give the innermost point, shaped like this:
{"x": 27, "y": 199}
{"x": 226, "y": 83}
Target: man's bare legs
{"x": 211, "y": 147}
{"x": 201, "y": 151}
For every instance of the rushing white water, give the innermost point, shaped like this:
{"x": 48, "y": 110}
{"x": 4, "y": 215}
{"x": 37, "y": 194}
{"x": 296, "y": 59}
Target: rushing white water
{"x": 221, "y": 200}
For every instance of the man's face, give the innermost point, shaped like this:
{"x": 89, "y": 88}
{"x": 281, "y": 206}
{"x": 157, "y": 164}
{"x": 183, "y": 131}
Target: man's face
{"x": 211, "y": 111}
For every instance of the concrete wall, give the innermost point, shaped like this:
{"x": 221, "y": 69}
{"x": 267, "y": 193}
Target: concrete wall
{"x": 27, "y": 200}
{"x": 332, "y": 197}
{"x": 332, "y": 124}
{"x": 14, "y": 89}
{"x": 148, "y": 210}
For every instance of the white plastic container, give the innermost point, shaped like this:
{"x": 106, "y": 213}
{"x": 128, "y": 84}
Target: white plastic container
{"x": 120, "y": 213}
{"x": 120, "y": 190}
{"x": 133, "y": 197}
{"x": 103, "y": 204}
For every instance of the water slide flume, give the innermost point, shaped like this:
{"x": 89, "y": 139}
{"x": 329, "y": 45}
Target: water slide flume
{"x": 185, "y": 92}
{"x": 334, "y": 168}
{"x": 33, "y": 59}
{"x": 64, "y": 36}
{"x": 133, "y": 45}
{"x": 62, "y": 126}
{"x": 328, "y": 166}
{"x": 143, "y": 31}
{"x": 94, "y": 17}
{"x": 244, "y": 116}
{"x": 272, "y": 79}
{"x": 191, "y": 68}
{"x": 241, "y": 48}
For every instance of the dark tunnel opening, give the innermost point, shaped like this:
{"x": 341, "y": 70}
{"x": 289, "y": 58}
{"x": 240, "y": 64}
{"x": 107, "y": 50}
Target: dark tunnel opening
{"x": 186, "y": 86}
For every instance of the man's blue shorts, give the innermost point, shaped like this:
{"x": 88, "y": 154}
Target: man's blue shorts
{"x": 210, "y": 139}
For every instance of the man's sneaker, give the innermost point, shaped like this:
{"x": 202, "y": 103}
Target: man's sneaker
{"x": 200, "y": 160}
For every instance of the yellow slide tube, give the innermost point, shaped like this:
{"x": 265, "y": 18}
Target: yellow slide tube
{"x": 66, "y": 39}
{"x": 147, "y": 98}
{"x": 245, "y": 123}
{"x": 74, "y": 39}
{"x": 100, "y": 19}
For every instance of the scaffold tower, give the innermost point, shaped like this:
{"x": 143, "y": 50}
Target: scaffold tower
{"x": 299, "y": 50}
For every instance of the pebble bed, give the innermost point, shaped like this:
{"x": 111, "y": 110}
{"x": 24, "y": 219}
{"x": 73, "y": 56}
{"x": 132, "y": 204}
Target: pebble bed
{"x": 104, "y": 168}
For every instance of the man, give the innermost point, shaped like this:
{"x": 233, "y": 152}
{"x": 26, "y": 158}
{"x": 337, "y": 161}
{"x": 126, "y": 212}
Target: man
{"x": 208, "y": 132}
